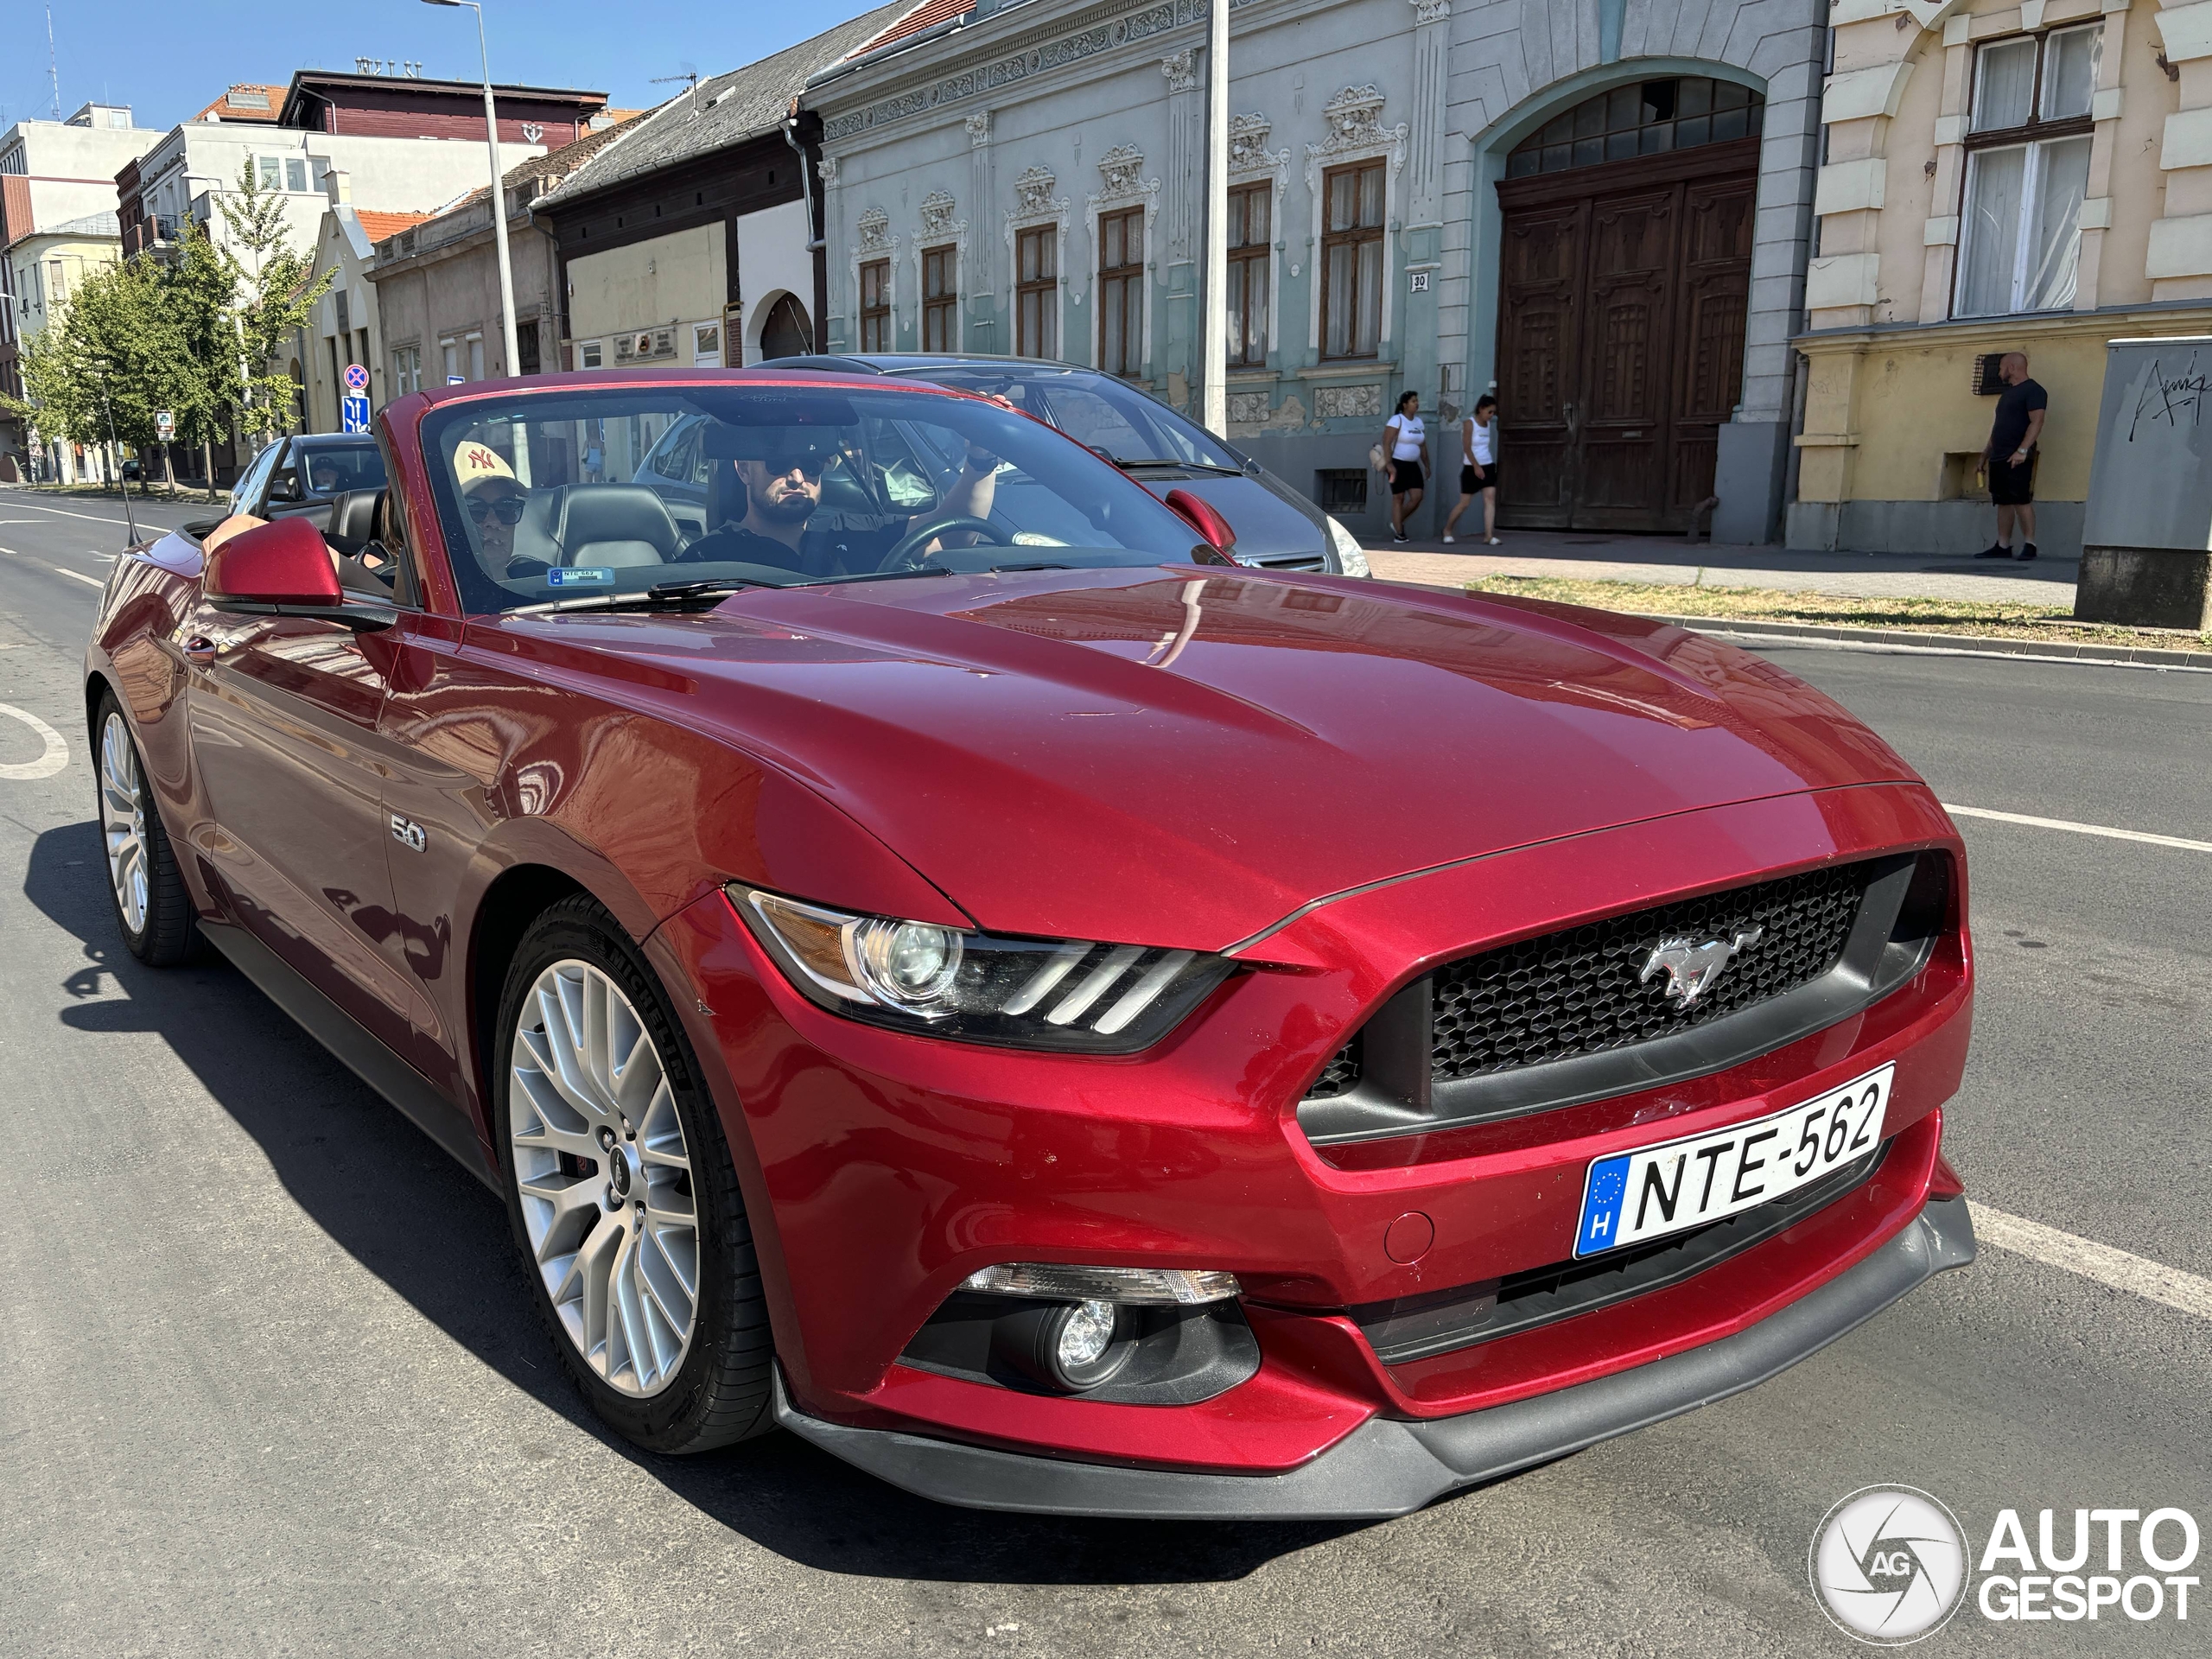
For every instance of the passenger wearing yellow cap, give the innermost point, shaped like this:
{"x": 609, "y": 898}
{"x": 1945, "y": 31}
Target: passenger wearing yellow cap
{"x": 493, "y": 498}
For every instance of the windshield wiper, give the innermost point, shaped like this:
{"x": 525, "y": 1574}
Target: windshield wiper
{"x": 1128, "y": 463}
{"x": 1000, "y": 569}
{"x": 662, "y": 595}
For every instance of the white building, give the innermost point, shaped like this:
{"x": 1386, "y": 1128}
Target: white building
{"x": 57, "y": 222}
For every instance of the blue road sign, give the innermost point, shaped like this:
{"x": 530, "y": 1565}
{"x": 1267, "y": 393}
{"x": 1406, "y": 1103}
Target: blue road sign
{"x": 353, "y": 413}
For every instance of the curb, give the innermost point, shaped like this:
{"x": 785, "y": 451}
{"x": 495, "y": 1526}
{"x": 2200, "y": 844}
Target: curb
{"x": 1948, "y": 644}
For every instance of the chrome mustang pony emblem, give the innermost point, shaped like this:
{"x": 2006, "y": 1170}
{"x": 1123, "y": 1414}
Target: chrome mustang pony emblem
{"x": 1691, "y": 968}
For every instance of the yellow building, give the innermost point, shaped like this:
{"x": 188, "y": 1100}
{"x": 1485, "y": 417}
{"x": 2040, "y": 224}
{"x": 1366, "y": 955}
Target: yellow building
{"x": 2032, "y": 177}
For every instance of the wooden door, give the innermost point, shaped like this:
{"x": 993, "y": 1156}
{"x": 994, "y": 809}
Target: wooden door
{"x": 1538, "y": 361}
{"x": 1623, "y": 291}
{"x": 1622, "y": 418}
{"x": 1716, "y": 294}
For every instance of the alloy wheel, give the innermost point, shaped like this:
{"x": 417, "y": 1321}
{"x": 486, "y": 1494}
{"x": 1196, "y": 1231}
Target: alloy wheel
{"x": 604, "y": 1176}
{"x": 122, "y": 821}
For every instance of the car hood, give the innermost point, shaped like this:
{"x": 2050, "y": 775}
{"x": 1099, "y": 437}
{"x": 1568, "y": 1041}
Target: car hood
{"x": 1266, "y": 526}
{"x": 1182, "y": 756}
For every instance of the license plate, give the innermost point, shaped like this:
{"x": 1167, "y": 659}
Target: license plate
{"x": 1654, "y": 1190}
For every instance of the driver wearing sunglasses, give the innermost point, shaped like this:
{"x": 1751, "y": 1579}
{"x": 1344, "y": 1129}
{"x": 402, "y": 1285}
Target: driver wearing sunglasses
{"x": 781, "y": 470}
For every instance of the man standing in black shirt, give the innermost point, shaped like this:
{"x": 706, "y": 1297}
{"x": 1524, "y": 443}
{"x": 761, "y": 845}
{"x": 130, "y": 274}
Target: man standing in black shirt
{"x": 2010, "y": 461}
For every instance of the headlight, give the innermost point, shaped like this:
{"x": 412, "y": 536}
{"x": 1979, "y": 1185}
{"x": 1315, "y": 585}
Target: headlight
{"x": 1350, "y": 553}
{"x": 980, "y": 988}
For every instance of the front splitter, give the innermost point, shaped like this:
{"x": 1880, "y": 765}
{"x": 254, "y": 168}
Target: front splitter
{"x": 1389, "y": 1466}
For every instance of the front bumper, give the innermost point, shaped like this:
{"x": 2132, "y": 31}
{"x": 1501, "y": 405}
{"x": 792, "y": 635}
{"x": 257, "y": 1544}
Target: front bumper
{"x": 880, "y": 1169}
{"x": 1390, "y": 1466}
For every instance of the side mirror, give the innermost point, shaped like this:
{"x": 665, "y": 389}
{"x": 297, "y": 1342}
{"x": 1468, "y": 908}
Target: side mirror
{"x": 284, "y": 569}
{"x": 1212, "y": 528}
{"x": 285, "y": 487}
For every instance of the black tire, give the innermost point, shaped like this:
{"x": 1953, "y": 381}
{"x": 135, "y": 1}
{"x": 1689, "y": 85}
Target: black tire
{"x": 721, "y": 1392}
{"x": 171, "y": 933}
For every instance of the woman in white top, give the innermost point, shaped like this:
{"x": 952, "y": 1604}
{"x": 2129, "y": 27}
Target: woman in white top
{"x": 1478, "y": 468}
{"x": 1405, "y": 448}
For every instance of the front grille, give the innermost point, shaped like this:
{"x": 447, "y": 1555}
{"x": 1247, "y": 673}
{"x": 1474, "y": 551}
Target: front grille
{"x": 1572, "y": 1016}
{"x": 1338, "y": 1076}
{"x": 1579, "y": 990}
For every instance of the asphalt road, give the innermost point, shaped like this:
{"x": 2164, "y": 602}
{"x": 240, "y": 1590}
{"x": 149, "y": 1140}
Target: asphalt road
{"x": 269, "y": 1382}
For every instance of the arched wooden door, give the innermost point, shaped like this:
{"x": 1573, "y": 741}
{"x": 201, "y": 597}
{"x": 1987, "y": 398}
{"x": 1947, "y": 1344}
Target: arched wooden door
{"x": 1623, "y": 288}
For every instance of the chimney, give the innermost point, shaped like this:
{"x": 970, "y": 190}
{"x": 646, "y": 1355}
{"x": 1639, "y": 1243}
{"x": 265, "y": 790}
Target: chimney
{"x": 338, "y": 184}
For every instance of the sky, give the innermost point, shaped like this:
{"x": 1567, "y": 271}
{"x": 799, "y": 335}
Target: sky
{"x": 169, "y": 58}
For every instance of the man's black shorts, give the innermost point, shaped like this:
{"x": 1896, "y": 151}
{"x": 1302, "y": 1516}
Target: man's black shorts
{"x": 2010, "y": 486}
{"x": 1407, "y": 476}
{"x": 1470, "y": 485}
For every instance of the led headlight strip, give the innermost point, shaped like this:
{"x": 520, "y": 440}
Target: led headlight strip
{"x": 983, "y": 988}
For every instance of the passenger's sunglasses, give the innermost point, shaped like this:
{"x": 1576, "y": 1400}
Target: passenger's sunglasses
{"x": 507, "y": 510}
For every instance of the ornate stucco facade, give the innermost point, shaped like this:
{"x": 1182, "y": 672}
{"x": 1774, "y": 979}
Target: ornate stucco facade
{"x": 1058, "y": 114}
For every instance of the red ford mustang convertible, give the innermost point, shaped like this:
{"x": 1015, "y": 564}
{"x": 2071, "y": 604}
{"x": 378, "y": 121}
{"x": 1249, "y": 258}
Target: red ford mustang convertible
{"x": 938, "y": 957}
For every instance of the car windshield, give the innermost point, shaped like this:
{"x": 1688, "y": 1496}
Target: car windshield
{"x": 333, "y": 469}
{"x": 1095, "y": 409}
{"x": 567, "y": 495}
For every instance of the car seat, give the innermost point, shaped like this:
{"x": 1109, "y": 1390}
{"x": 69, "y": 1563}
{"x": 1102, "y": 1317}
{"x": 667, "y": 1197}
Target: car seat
{"x": 614, "y": 524}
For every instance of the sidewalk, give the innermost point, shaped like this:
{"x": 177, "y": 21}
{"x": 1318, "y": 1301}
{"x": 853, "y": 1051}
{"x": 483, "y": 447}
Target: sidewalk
{"x": 1596, "y": 555}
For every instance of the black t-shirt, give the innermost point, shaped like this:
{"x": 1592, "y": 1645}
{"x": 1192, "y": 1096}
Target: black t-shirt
{"x": 832, "y": 544}
{"x": 2014, "y": 406}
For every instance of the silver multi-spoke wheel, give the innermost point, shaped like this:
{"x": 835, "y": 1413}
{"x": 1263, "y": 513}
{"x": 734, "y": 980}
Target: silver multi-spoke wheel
{"x": 604, "y": 1177}
{"x": 122, "y": 820}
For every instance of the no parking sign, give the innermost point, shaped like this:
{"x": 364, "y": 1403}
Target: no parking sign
{"x": 357, "y": 378}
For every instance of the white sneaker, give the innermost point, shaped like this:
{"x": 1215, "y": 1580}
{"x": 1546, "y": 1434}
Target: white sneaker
{"x": 1448, "y": 541}
{"x": 1494, "y": 542}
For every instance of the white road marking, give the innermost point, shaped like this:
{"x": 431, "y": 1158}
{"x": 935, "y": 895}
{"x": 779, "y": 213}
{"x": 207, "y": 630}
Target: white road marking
{"x": 51, "y": 760}
{"x": 2078, "y": 828}
{"x": 77, "y": 575}
{"x": 2118, "y": 1270}
{"x": 95, "y": 517}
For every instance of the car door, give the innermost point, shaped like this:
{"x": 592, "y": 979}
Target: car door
{"x": 282, "y": 717}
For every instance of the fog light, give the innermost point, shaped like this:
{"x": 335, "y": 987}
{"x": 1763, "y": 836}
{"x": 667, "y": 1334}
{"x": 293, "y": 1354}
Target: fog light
{"x": 1084, "y": 1339}
{"x": 1128, "y": 1286}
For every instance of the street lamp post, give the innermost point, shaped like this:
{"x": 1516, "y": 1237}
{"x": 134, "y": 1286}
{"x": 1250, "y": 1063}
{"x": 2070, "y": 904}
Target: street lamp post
{"x": 498, "y": 194}
{"x": 1216, "y": 333}
{"x": 116, "y": 450}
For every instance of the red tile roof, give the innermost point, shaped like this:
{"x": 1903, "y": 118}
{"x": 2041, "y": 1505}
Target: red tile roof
{"x": 377, "y": 227}
{"x": 224, "y": 109}
{"x": 928, "y": 15}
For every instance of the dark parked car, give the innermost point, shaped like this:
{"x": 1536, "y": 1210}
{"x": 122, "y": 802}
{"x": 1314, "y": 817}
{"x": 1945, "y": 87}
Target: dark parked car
{"x": 1277, "y": 528}
{"x": 301, "y": 477}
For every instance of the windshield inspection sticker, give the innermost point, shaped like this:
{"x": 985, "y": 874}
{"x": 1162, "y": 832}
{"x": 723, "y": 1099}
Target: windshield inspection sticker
{"x": 580, "y": 575}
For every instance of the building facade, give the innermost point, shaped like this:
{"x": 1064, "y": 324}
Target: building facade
{"x": 694, "y": 240}
{"x": 346, "y": 328}
{"x": 1600, "y": 210}
{"x": 2030, "y": 175}
{"x": 57, "y": 221}
{"x": 436, "y": 283}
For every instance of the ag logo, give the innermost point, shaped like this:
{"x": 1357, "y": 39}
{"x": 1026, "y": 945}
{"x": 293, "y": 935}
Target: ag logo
{"x": 1889, "y": 1565}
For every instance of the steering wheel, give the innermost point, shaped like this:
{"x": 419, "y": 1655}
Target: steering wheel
{"x": 938, "y": 524}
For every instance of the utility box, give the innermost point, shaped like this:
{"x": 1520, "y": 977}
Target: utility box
{"x": 2146, "y": 531}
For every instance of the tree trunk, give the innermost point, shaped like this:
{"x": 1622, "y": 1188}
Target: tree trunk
{"x": 168, "y": 472}
{"x": 207, "y": 464}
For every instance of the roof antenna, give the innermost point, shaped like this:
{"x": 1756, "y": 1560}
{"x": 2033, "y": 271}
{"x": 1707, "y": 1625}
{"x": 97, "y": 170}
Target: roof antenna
{"x": 689, "y": 77}
{"x": 52, "y": 71}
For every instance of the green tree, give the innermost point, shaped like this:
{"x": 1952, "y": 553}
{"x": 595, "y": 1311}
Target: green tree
{"x": 111, "y": 353}
{"x": 272, "y": 298}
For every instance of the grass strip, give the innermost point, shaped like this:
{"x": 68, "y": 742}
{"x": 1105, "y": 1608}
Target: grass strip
{"x": 2000, "y": 621}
